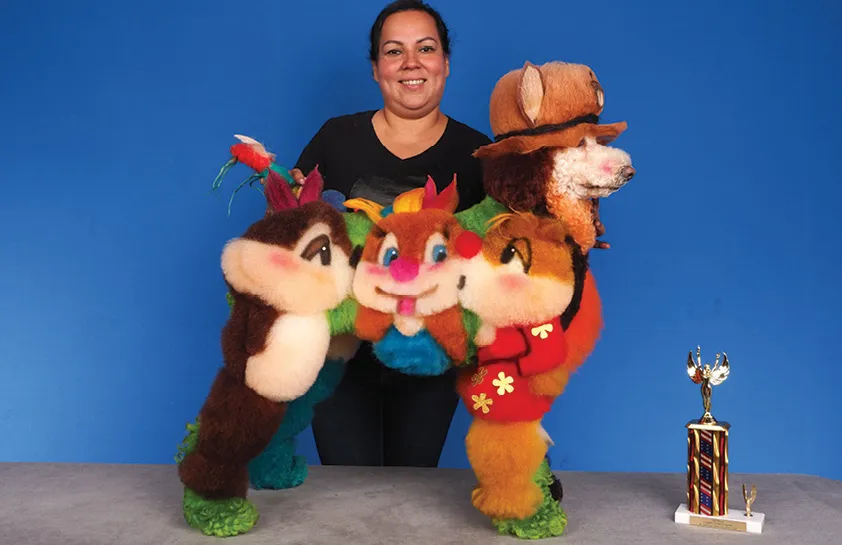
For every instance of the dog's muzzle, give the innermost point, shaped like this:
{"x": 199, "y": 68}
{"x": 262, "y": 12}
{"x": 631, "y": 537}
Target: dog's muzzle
{"x": 626, "y": 173}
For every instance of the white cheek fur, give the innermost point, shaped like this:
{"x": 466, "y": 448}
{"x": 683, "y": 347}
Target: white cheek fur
{"x": 578, "y": 171}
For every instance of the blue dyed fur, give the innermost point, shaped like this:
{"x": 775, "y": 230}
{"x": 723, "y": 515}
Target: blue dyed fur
{"x": 416, "y": 355}
{"x": 278, "y": 466}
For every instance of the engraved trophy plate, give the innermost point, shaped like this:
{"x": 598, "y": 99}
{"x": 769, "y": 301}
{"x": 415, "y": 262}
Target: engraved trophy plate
{"x": 707, "y": 461}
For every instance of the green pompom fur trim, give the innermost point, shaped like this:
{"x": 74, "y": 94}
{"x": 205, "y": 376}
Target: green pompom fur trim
{"x": 188, "y": 444}
{"x": 549, "y": 521}
{"x": 220, "y": 518}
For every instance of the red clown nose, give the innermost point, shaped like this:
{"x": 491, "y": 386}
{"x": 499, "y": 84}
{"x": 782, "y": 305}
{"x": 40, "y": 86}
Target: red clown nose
{"x": 468, "y": 244}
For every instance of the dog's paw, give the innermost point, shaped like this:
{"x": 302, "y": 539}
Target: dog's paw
{"x": 508, "y": 503}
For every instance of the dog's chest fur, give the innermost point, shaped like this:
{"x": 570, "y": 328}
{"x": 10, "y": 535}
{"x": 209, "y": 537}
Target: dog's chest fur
{"x": 294, "y": 355}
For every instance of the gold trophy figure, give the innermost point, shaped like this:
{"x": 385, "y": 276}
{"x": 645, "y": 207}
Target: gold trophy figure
{"x": 707, "y": 459}
{"x": 708, "y": 377}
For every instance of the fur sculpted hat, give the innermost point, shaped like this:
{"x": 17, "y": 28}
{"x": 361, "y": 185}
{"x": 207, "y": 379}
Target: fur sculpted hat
{"x": 553, "y": 105}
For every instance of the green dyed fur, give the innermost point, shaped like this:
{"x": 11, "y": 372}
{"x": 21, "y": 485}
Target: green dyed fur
{"x": 358, "y": 225}
{"x": 476, "y": 217}
{"x": 220, "y": 518}
{"x": 341, "y": 319}
{"x": 549, "y": 521}
{"x": 471, "y": 323}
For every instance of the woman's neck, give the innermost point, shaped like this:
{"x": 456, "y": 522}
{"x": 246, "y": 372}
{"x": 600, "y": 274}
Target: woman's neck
{"x": 408, "y": 137}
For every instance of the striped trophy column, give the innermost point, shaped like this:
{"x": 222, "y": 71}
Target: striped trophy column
{"x": 707, "y": 468}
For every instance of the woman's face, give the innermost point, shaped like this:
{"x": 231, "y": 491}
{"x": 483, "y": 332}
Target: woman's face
{"x": 411, "y": 67}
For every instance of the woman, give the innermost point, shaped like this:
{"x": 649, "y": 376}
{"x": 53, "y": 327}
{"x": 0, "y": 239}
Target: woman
{"x": 378, "y": 416}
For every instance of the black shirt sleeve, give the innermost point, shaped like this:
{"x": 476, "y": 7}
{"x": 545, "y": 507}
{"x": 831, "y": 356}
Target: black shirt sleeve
{"x": 314, "y": 153}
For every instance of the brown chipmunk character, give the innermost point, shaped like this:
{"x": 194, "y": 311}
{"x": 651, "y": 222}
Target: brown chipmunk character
{"x": 550, "y": 154}
{"x": 285, "y": 272}
{"x": 540, "y": 317}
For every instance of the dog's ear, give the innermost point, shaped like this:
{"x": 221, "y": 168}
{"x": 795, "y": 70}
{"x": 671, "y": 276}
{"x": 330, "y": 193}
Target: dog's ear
{"x": 530, "y": 93}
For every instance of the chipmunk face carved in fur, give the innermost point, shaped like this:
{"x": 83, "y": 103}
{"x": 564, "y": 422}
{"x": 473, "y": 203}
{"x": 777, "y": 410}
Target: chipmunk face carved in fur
{"x": 407, "y": 273}
{"x": 540, "y": 316}
{"x": 300, "y": 270}
{"x": 407, "y": 279}
{"x": 527, "y": 264}
{"x": 284, "y": 275}
{"x": 296, "y": 260}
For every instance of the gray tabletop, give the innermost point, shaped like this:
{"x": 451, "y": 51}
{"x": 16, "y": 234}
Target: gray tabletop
{"x": 68, "y": 504}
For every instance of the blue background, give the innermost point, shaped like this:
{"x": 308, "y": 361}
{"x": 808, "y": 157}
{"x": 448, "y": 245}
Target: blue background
{"x": 116, "y": 117}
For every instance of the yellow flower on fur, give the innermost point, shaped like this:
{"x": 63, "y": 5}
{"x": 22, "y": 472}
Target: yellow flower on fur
{"x": 479, "y": 376}
{"x": 503, "y": 383}
{"x": 482, "y": 402}
{"x": 542, "y": 331}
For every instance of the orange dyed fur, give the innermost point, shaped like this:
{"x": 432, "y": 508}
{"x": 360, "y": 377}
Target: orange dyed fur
{"x": 505, "y": 456}
{"x": 447, "y": 328}
{"x": 418, "y": 215}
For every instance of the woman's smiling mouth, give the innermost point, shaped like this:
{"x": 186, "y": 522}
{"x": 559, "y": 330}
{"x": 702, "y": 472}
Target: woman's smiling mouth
{"x": 412, "y": 82}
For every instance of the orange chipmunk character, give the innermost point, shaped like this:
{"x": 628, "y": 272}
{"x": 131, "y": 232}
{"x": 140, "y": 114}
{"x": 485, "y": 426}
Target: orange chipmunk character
{"x": 406, "y": 283}
{"x": 540, "y": 317}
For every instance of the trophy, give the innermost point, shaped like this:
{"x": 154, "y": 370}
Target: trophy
{"x": 707, "y": 460}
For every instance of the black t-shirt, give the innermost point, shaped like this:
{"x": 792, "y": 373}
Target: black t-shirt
{"x": 352, "y": 160}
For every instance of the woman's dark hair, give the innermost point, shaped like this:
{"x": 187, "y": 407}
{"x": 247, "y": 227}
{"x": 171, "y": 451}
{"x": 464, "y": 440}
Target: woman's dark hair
{"x": 406, "y": 5}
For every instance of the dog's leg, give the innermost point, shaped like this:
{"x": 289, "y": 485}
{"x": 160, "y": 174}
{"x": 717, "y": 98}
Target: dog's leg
{"x": 598, "y": 225}
{"x": 505, "y": 457}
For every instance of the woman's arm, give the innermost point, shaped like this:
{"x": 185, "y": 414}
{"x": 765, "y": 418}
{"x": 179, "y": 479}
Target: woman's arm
{"x": 312, "y": 155}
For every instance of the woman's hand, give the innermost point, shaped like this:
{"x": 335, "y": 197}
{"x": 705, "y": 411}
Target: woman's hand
{"x": 297, "y": 175}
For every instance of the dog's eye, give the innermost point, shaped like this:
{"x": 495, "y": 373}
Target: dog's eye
{"x": 581, "y": 143}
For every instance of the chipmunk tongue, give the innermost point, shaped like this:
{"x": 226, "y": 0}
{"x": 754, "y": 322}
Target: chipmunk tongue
{"x": 406, "y": 306}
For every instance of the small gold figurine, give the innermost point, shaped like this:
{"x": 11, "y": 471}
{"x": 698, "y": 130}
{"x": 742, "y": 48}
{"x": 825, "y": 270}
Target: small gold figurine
{"x": 749, "y": 499}
{"x": 707, "y": 376}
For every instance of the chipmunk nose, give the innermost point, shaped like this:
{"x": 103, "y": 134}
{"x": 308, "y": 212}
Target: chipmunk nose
{"x": 626, "y": 173}
{"x": 468, "y": 244}
{"x": 403, "y": 269}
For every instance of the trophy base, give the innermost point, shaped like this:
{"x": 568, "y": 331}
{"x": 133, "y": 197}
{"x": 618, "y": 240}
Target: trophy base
{"x": 734, "y": 520}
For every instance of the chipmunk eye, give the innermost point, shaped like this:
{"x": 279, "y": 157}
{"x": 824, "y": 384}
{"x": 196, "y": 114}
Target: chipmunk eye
{"x": 509, "y": 253}
{"x": 389, "y": 250}
{"x": 319, "y": 246}
{"x": 436, "y": 248}
{"x": 390, "y": 255}
{"x": 519, "y": 257}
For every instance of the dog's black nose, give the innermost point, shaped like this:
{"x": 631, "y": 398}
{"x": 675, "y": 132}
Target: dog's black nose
{"x": 461, "y": 283}
{"x": 626, "y": 173}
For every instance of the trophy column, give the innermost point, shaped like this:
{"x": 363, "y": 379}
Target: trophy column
{"x": 707, "y": 468}
{"x": 707, "y": 461}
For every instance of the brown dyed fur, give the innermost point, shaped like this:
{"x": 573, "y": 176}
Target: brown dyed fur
{"x": 519, "y": 181}
{"x": 236, "y": 423}
{"x": 518, "y": 169}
